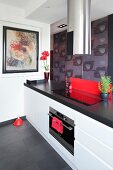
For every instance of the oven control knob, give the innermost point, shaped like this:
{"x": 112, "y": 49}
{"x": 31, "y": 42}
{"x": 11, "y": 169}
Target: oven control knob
{"x": 64, "y": 118}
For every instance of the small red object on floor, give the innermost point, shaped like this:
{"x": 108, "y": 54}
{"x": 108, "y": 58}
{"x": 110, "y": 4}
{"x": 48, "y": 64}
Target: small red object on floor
{"x": 18, "y": 122}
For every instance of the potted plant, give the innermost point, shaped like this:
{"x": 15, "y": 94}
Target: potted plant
{"x": 105, "y": 86}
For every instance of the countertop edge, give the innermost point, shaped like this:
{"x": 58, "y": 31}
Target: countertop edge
{"x": 74, "y": 107}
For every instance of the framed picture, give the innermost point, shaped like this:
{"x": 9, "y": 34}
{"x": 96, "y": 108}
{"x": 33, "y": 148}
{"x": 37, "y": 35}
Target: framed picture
{"x": 20, "y": 50}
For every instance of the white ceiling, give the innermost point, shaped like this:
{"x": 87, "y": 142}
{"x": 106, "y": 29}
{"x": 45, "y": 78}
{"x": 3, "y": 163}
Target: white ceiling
{"x": 52, "y": 11}
{"x": 101, "y": 8}
{"x": 15, "y": 3}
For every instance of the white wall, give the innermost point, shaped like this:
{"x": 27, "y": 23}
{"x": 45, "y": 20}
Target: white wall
{"x": 11, "y": 85}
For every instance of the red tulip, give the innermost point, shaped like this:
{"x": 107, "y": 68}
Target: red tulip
{"x": 44, "y": 56}
{"x": 45, "y": 53}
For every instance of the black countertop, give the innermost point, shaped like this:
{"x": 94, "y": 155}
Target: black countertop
{"x": 102, "y": 111}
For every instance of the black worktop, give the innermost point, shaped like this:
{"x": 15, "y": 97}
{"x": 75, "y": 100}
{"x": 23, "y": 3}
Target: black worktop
{"x": 102, "y": 111}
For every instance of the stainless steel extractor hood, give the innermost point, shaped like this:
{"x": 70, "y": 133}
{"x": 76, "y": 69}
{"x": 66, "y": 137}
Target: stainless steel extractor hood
{"x": 79, "y": 22}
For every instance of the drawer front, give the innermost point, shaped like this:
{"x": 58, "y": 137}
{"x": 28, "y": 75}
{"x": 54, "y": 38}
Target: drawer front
{"x": 96, "y": 129}
{"x": 86, "y": 160}
{"x": 95, "y": 146}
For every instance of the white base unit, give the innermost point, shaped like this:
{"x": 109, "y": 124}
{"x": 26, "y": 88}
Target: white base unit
{"x": 93, "y": 145}
{"x": 36, "y": 109}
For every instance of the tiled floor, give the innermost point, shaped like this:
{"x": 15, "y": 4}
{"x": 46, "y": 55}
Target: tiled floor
{"x": 23, "y": 148}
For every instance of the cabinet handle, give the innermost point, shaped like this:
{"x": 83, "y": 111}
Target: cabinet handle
{"x": 68, "y": 127}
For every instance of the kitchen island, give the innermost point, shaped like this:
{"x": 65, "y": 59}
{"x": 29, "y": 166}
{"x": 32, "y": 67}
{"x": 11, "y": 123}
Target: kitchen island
{"x": 93, "y": 125}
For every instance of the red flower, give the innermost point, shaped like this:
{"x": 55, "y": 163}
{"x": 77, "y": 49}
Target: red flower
{"x": 45, "y": 53}
{"x": 43, "y": 57}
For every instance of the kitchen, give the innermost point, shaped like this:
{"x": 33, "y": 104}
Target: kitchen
{"x": 16, "y": 81}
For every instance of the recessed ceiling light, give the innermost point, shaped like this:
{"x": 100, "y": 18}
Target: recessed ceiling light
{"x": 62, "y": 25}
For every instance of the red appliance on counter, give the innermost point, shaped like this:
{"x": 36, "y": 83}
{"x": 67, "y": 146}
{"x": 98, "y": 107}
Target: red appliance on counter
{"x": 84, "y": 97}
{"x": 84, "y": 85}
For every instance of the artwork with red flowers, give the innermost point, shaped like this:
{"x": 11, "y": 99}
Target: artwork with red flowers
{"x": 20, "y": 50}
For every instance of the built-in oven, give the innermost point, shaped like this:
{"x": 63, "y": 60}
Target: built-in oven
{"x": 61, "y": 128}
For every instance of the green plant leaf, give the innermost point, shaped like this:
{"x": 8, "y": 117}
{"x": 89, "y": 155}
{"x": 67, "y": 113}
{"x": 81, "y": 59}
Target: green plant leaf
{"x": 105, "y": 84}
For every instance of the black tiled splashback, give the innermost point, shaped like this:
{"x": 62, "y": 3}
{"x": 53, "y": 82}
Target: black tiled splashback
{"x": 82, "y": 66}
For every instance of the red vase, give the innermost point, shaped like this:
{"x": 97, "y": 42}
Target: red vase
{"x": 46, "y": 76}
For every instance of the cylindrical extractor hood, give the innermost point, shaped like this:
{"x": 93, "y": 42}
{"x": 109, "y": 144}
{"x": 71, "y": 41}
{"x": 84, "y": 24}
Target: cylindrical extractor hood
{"x": 78, "y": 20}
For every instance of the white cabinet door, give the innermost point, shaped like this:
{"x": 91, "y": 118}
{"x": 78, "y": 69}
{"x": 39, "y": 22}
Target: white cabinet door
{"x": 92, "y": 149}
{"x": 86, "y": 160}
{"x": 41, "y": 117}
{"x": 36, "y": 110}
{"x": 30, "y": 104}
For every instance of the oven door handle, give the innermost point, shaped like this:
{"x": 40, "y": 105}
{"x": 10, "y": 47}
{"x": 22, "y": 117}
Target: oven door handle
{"x": 68, "y": 127}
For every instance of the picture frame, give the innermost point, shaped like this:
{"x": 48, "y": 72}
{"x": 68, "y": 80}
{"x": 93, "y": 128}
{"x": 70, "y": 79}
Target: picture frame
{"x": 20, "y": 50}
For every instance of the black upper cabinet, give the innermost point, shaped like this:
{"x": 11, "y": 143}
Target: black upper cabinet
{"x": 110, "y": 46}
{"x": 70, "y": 43}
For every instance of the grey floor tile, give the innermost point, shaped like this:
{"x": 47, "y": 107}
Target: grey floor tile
{"x": 67, "y": 168}
{"x": 32, "y": 141}
{"x": 40, "y": 151}
{"x": 25, "y": 160}
{"x": 32, "y": 167}
{"x": 23, "y": 148}
{"x": 52, "y": 161}
{"x": 8, "y": 134}
{"x": 13, "y": 149}
{"x": 9, "y": 163}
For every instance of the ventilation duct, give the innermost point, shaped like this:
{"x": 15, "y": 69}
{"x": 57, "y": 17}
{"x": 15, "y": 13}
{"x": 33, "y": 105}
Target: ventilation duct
{"x": 79, "y": 23}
